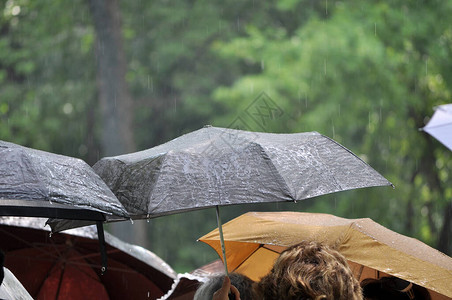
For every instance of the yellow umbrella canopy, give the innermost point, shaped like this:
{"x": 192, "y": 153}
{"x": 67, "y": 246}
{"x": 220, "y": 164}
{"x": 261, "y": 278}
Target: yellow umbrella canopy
{"x": 254, "y": 240}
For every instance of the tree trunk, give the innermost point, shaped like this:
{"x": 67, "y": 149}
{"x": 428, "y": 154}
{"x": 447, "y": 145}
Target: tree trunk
{"x": 114, "y": 98}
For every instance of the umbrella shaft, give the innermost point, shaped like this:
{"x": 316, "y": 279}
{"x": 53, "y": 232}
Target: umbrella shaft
{"x": 220, "y": 229}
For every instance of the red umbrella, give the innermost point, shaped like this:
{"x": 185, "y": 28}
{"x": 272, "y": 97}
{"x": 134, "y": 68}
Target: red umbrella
{"x": 186, "y": 284}
{"x": 66, "y": 265}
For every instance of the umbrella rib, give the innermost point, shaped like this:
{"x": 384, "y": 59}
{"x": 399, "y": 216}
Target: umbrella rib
{"x": 437, "y": 126}
{"x": 48, "y": 274}
{"x": 60, "y": 282}
{"x": 25, "y": 241}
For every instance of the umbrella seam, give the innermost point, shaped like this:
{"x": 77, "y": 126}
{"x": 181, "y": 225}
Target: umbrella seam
{"x": 254, "y": 251}
{"x": 164, "y": 159}
{"x": 437, "y": 126}
{"x": 275, "y": 173}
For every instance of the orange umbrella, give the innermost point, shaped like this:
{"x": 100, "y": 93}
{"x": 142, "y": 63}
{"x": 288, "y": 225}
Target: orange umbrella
{"x": 254, "y": 240}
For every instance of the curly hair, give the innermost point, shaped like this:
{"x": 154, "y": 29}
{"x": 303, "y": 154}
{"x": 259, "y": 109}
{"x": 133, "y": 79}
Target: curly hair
{"x": 309, "y": 271}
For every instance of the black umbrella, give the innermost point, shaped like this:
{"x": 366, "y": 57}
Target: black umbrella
{"x": 220, "y": 166}
{"x": 36, "y": 183}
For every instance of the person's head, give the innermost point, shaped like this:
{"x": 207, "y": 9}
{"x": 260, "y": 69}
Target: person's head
{"x": 389, "y": 288}
{"x": 309, "y": 271}
{"x": 241, "y": 282}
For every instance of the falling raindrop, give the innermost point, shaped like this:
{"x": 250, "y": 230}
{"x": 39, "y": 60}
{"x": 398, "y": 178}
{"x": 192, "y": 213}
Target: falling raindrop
{"x": 149, "y": 294}
{"x": 131, "y": 221}
{"x": 334, "y": 133}
{"x": 262, "y": 64}
{"x": 426, "y": 66}
{"x": 50, "y": 234}
{"x": 150, "y": 83}
{"x": 375, "y": 29}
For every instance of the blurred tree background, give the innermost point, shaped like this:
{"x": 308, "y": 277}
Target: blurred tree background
{"x": 367, "y": 74}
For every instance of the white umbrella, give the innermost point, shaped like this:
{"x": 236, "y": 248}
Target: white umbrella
{"x": 11, "y": 288}
{"x": 440, "y": 125}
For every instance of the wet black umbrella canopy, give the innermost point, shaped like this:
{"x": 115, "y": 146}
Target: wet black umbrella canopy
{"x": 43, "y": 184}
{"x": 219, "y": 166}
{"x": 36, "y": 183}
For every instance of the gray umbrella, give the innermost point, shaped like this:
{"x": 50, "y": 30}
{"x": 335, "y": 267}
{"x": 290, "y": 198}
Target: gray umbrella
{"x": 219, "y": 166}
{"x": 36, "y": 183}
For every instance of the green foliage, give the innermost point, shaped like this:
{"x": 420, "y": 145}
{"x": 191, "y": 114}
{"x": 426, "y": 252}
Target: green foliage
{"x": 46, "y": 75}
